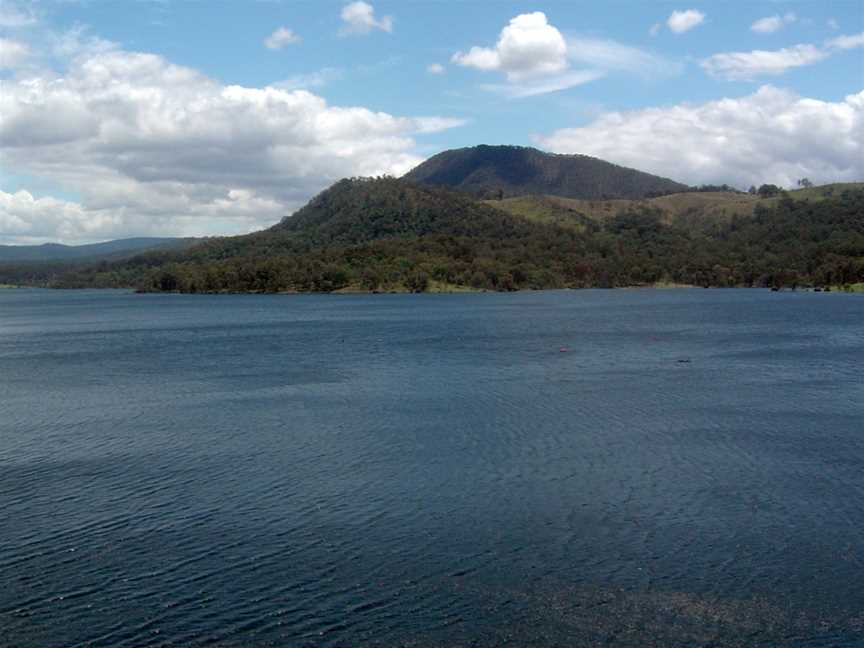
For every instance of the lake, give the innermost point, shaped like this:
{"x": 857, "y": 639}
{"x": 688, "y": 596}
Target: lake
{"x": 562, "y": 468}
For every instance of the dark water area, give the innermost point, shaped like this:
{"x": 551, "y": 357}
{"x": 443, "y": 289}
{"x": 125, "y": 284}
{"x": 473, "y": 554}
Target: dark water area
{"x": 573, "y": 468}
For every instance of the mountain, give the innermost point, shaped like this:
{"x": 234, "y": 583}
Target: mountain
{"x": 360, "y": 234}
{"x": 360, "y": 211}
{"x": 508, "y": 171}
{"x": 389, "y": 234}
{"x": 58, "y": 252}
{"x": 368, "y": 209}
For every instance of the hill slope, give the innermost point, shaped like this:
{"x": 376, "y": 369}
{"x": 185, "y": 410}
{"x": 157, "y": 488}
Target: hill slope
{"x": 699, "y": 210}
{"x": 507, "y": 171}
{"x": 363, "y": 210}
{"x": 389, "y": 234}
{"x": 696, "y": 209}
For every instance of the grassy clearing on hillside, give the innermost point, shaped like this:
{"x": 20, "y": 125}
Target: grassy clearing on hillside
{"x": 542, "y": 209}
{"x": 569, "y": 212}
{"x": 690, "y": 209}
{"x": 825, "y": 191}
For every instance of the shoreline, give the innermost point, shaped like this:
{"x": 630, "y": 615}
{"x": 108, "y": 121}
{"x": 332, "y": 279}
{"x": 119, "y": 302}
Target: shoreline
{"x": 454, "y": 289}
{"x": 460, "y": 290}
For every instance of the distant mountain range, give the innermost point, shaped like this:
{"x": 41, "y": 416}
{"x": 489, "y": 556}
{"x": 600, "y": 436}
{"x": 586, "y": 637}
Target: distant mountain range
{"x": 426, "y": 232}
{"x": 58, "y": 252}
{"x": 508, "y": 171}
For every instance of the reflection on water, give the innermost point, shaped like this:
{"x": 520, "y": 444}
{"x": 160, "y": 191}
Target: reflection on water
{"x": 432, "y": 470}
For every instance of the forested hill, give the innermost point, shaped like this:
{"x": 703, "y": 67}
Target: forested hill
{"x": 360, "y": 210}
{"x": 508, "y": 171}
{"x": 390, "y": 235}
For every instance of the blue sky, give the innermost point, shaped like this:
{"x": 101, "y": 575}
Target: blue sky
{"x": 200, "y": 118}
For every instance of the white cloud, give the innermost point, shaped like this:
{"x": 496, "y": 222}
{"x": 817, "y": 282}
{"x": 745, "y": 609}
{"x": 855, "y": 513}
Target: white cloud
{"x": 12, "y": 53}
{"x": 655, "y": 29}
{"x": 536, "y": 59}
{"x": 846, "y": 42}
{"x": 280, "y": 38}
{"x": 78, "y": 41}
{"x": 527, "y": 47}
{"x": 435, "y": 68}
{"x": 25, "y": 219}
{"x": 683, "y": 21}
{"x": 359, "y": 18}
{"x": 746, "y": 66}
{"x": 156, "y": 148}
{"x": 770, "y": 136}
{"x": 544, "y": 85}
{"x": 771, "y": 24}
{"x": 427, "y": 125}
{"x": 833, "y": 24}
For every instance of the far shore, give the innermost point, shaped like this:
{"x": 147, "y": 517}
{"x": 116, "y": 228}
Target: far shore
{"x": 454, "y": 289}
{"x": 442, "y": 288}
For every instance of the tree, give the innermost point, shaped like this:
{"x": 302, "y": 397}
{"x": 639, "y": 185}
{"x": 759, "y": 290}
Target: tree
{"x": 768, "y": 190}
{"x": 805, "y": 182}
{"x": 417, "y": 281}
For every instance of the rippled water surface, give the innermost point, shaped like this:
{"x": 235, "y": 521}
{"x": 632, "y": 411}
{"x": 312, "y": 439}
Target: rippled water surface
{"x": 635, "y": 468}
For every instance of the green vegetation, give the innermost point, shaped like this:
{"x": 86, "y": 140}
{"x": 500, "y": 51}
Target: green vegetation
{"x": 851, "y": 287}
{"x": 383, "y": 235}
{"x": 495, "y": 172}
{"x": 682, "y": 208}
{"x": 823, "y": 192}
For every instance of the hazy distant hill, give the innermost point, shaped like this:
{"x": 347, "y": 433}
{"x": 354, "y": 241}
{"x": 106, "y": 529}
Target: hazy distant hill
{"x": 58, "y": 252}
{"x": 507, "y": 171}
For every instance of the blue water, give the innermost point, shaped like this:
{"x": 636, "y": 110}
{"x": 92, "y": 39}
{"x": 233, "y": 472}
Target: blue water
{"x": 628, "y": 468}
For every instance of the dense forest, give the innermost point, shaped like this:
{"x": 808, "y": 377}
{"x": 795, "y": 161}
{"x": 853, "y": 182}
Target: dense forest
{"x": 508, "y": 171}
{"x": 391, "y": 235}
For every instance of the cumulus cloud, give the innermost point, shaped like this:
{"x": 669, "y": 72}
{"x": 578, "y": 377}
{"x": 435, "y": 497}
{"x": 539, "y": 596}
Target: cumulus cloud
{"x": 435, "y": 68}
{"x": 535, "y": 58}
{"x": 26, "y": 219}
{"x": 527, "y": 47}
{"x": 771, "y": 24}
{"x": 771, "y": 136}
{"x": 12, "y": 53}
{"x": 359, "y": 18}
{"x": 746, "y": 66}
{"x": 280, "y": 38}
{"x": 152, "y": 147}
{"x": 683, "y": 21}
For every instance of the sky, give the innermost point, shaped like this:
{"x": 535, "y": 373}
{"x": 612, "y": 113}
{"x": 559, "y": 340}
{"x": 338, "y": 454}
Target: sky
{"x": 123, "y": 118}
